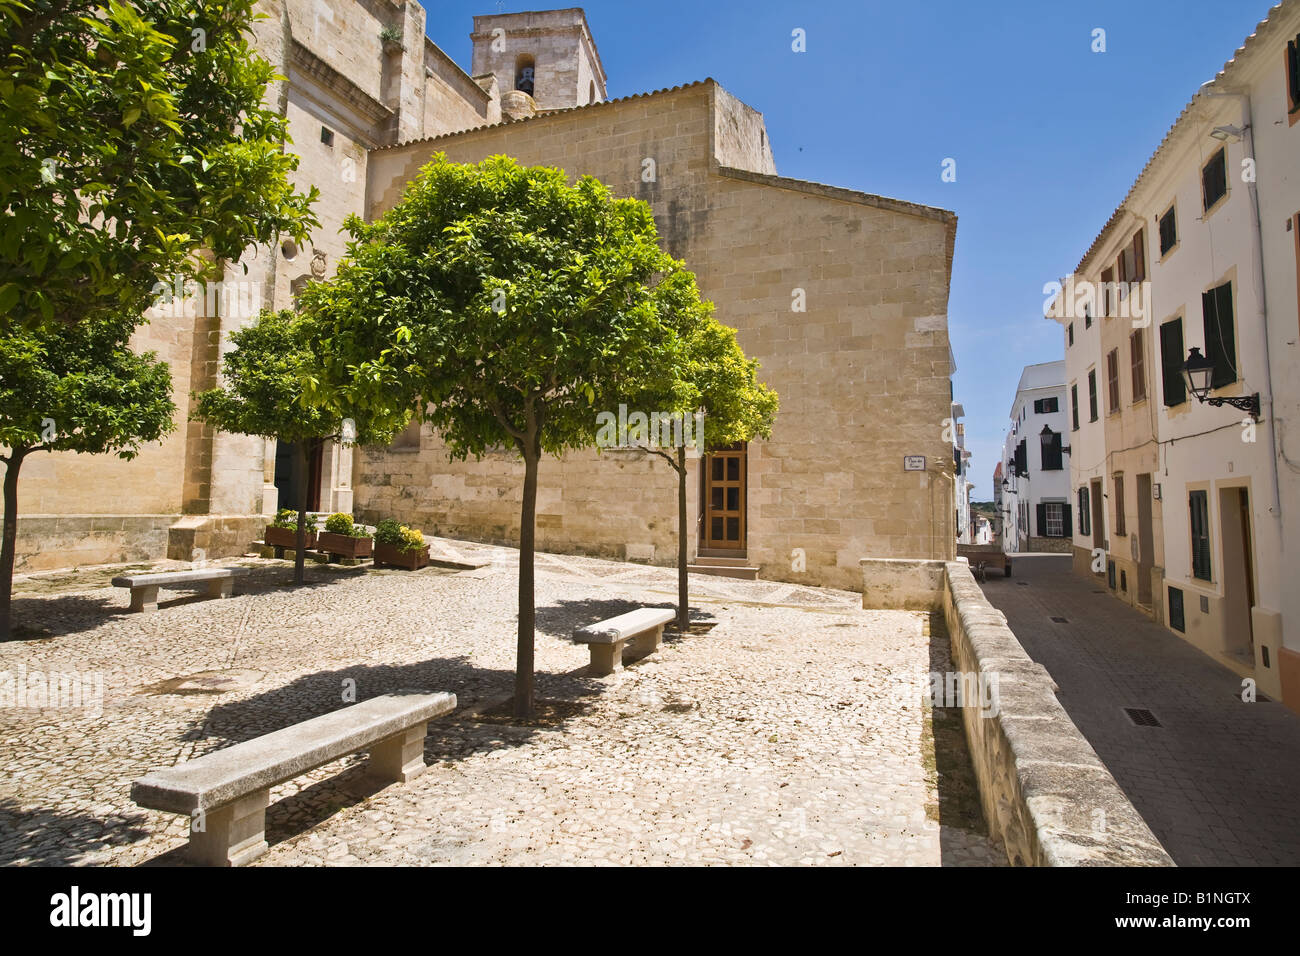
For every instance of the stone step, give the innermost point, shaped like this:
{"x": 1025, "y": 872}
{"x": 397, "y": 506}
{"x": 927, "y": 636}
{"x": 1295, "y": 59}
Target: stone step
{"x": 724, "y": 570}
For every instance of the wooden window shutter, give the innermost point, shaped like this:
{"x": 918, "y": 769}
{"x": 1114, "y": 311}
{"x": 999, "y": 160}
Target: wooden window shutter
{"x": 1042, "y": 520}
{"x": 1220, "y": 338}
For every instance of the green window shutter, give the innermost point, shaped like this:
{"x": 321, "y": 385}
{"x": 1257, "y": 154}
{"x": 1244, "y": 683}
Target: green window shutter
{"x": 1171, "y": 363}
{"x": 1220, "y": 338}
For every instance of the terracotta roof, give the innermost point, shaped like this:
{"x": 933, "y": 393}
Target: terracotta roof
{"x": 546, "y": 113}
{"x": 1246, "y": 47}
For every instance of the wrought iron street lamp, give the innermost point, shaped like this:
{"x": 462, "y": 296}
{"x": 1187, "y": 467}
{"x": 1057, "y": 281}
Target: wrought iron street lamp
{"x": 1198, "y": 371}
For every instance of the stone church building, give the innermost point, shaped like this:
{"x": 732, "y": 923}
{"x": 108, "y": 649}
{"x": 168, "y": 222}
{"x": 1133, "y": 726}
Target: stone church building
{"x": 842, "y": 296}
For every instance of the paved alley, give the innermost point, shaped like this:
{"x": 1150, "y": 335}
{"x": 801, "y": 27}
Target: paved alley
{"x": 1217, "y": 780}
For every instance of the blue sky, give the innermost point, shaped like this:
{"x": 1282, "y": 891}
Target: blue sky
{"x": 1047, "y": 135}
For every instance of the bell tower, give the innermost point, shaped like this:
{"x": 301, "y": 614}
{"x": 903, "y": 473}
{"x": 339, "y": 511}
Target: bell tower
{"x": 548, "y": 55}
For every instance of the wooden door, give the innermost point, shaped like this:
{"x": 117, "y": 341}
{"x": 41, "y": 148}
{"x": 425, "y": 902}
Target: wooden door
{"x": 724, "y": 499}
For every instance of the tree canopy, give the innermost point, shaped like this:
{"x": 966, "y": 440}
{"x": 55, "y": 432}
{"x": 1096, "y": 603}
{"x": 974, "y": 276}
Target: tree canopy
{"x": 77, "y": 388}
{"x": 136, "y": 137}
{"x": 263, "y": 393}
{"x": 504, "y": 306}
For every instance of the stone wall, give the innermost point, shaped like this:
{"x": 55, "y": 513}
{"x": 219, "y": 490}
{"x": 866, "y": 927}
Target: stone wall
{"x": 1045, "y": 792}
{"x": 841, "y": 296}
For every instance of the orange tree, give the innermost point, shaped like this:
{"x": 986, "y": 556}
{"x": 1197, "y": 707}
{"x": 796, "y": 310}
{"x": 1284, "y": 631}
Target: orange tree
{"x": 502, "y": 305}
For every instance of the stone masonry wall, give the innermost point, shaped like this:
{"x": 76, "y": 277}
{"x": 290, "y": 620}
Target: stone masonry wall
{"x": 862, "y": 371}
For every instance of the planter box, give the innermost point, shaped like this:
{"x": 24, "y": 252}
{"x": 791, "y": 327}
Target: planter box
{"x": 342, "y": 545}
{"x": 411, "y": 560}
{"x": 288, "y": 537}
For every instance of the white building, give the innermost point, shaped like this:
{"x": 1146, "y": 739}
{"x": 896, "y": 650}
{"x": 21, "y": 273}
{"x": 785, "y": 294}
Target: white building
{"x": 1189, "y": 506}
{"x": 1035, "y": 464}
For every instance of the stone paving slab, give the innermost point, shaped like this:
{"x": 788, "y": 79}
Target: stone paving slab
{"x": 778, "y": 736}
{"x": 1217, "y": 781}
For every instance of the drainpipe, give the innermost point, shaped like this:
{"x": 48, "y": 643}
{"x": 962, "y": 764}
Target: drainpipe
{"x": 1266, "y": 395}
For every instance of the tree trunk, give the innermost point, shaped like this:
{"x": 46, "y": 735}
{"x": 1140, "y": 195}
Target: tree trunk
{"x": 300, "y": 451}
{"x": 683, "y": 600}
{"x": 9, "y": 546}
{"x": 527, "y": 611}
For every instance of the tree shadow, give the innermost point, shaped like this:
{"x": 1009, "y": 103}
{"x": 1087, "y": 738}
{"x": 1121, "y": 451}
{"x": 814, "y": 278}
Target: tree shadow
{"x": 560, "y": 619}
{"x": 45, "y": 616}
{"x": 46, "y": 837}
{"x": 452, "y": 738}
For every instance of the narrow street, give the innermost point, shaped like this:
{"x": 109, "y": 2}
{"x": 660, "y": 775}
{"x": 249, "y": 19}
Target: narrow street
{"x": 1216, "y": 780}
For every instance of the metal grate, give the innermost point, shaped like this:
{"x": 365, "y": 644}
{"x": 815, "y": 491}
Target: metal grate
{"x": 1142, "y": 717}
{"x": 1060, "y": 620}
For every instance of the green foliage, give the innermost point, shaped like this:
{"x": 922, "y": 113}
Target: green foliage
{"x": 264, "y": 392}
{"x": 497, "y": 301}
{"x": 136, "y": 134}
{"x": 389, "y": 532}
{"x": 398, "y": 536}
{"x": 287, "y": 519}
{"x": 80, "y": 388}
{"x": 708, "y": 370}
{"x": 341, "y": 523}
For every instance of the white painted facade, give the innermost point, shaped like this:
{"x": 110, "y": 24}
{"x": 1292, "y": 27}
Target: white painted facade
{"x": 1036, "y": 499}
{"x": 1230, "y": 599}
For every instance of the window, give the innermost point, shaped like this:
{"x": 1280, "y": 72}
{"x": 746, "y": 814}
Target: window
{"x": 1085, "y": 517}
{"x": 1069, "y": 334}
{"x": 1220, "y": 338}
{"x": 1112, "y": 380}
{"x": 1119, "y": 506}
{"x": 1092, "y": 395}
{"x": 1132, "y": 259}
{"x": 1087, "y": 315}
{"x": 1171, "y": 363}
{"x": 1107, "y": 290}
{"x": 327, "y": 136}
{"x": 524, "y": 71}
{"x": 1138, "y": 365}
{"x": 1295, "y": 231}
{"x": 408, "y": 439}
{"x": 1050, "y": 448}
{"x": 1055, "y": 512}
{"x": 1199, "y": 505}
{"x": 1074, "y": 407}
{"x": 1293, "y": 77}
{"x": 1168, "y": 231}
{"x": 1214, "y": 180}
{"x": 1045, "y": 406}
{"x": 1022, "y": 460}
{"x": 1176, "y": 620}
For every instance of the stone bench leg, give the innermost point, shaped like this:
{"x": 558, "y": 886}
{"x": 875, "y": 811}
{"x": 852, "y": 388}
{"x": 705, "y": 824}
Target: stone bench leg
{"x": 221, "y": 588}
{"x": 648, "y": 642}
{"x": 144, "y": 598}
{"x": 399, "y": 758}
{"x": 605, "y": 658}
{"x": 232, "y": 835}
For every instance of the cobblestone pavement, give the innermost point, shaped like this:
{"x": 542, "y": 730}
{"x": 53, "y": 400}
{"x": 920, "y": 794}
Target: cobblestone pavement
{"x": 1217, "y": 781}
{"x": 785, "y": 733}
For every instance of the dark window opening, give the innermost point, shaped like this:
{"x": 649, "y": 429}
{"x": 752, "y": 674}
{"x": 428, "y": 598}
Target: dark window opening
{"x": 525, "y": 69}
{"x": 1168, "y": 231}
{"x": 327, "y": 136}
{"x": 1085, "y": 516}
{"x": 1138, "y": 364}
{"x": 1074, "y": 408}
{"x": 1199, "y": 507}
{"x": 1092, "y": 395}
{"x": 1293, "y": 75}
{"x": 1214, "y": 180}
{"x": 1176, "y": 620}
{"x": 1112, "y": 380}
{"x": 1050, "y": 442}
{"x": 1119, "y": 506}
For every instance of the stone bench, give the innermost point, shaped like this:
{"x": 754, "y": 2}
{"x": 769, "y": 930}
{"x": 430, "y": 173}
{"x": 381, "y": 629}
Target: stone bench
{"x": 226, "y": 793}
{"x": 644, "y": 626}
{"x": 220, "y": 583}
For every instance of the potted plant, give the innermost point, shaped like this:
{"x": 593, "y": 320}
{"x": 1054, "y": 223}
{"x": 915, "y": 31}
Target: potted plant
{"x": 399, "y": 546}
{"x": 343, "y": 538}
{"x": 282, "y": 532}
